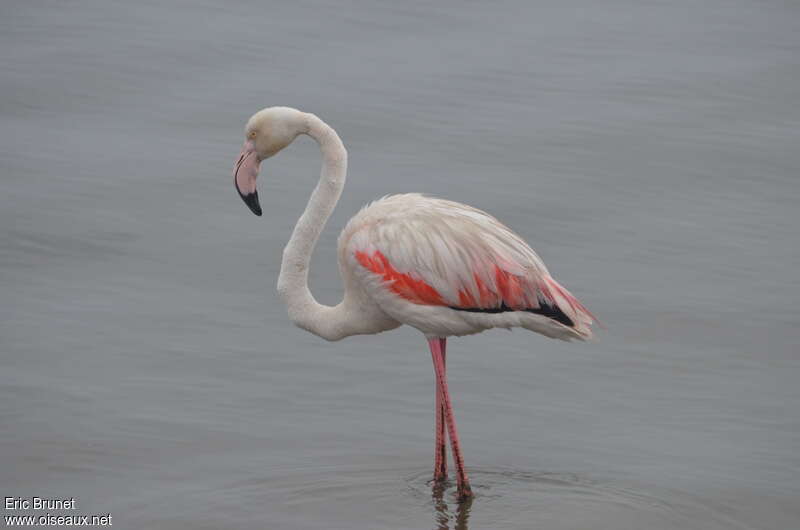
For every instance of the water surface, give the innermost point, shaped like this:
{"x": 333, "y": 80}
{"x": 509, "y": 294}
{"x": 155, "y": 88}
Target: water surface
{"x": 648, "y": 152}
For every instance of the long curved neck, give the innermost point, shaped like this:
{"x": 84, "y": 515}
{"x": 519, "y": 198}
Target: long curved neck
{"x": 303, "y": 309}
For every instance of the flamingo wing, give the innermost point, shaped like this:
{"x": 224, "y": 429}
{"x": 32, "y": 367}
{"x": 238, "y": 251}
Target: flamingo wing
{"x": 442, "y": 253}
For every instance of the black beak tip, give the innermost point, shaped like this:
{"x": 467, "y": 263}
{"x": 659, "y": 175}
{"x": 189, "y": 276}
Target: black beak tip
{"x": 251, "y": 200}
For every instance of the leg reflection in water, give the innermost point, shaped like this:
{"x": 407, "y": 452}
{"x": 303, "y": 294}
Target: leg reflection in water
{"x": 444, "y": 516}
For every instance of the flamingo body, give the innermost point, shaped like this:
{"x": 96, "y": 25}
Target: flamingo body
{"x": 448, "y": 269}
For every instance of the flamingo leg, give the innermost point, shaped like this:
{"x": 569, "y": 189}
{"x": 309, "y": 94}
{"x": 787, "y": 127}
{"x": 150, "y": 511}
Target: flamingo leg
{"x": 440, "y": 458}
{"x": 437, "y": 348}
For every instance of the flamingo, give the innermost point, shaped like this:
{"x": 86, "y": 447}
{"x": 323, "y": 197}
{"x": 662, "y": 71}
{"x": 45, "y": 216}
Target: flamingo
{"x": 442, "y": 267}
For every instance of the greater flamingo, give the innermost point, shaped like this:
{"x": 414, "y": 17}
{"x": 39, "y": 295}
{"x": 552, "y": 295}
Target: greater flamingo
{"x": 440, "y": 266}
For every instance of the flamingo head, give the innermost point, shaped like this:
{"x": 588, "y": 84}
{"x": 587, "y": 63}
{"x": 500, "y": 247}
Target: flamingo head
{"x": 267, "y": 132}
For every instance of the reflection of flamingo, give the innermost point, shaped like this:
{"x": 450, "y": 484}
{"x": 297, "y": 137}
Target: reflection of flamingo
{"x": 440, "y": 266}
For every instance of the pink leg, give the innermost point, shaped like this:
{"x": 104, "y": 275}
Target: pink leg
{"x": 440, "y": 459}
{"x": 436, "y": 346}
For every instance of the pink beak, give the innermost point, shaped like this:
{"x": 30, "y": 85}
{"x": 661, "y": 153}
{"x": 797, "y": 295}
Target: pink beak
{"x": 245, "y": 173}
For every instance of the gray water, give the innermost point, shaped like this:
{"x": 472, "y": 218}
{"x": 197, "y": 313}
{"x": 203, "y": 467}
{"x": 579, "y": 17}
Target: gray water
{"x": 648, "y": 152}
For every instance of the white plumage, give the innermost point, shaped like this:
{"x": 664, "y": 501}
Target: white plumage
{"x": 457, "y": 250}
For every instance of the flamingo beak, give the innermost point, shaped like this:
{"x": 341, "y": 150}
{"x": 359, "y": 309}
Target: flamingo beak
{"x": 245, "y": 173}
